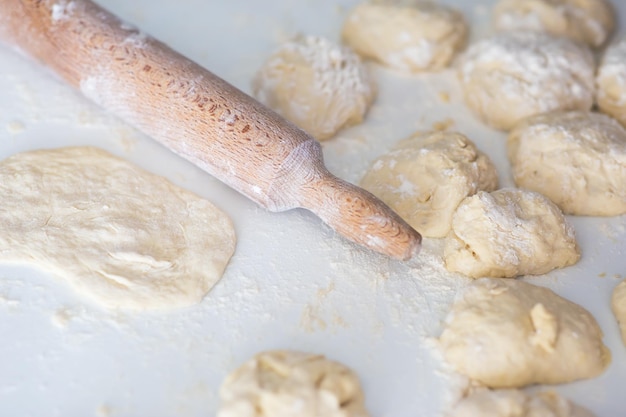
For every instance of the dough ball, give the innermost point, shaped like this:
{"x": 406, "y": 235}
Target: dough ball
{"x": 577, "y": 159}
{"x": 516, "y": 403}
{"x": 425, "y": 177}
{"x": 288, "y": 384}
{"x": 514, "y": 75}
{"x": 508, "y": 333}
{"x": 618, "y": 304}
{"x": 316, "y": 84}
{"x": 611, "y": 82}
{"x": 588, "y": 21}
{"x": 118, "y": 235}
{"x": 406, "y": 35}
{"x": 507, "y": 233}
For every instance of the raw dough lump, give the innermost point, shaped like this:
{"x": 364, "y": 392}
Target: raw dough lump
{"x": 514, "y": 75}
{"x": 618, "y": 304}
{"x": 577, "y": 159}
{"x": 516, "y": 403}
{"x": 611, "y": 82}
{"x": 425, "y": 177}
{"x": 507, "y": 233}
{"x": 508, "y": 334}
{"x": 289, "y": 384}
{"x": 587, "y": 21}
{"x": 406, "y": 35}
{"x": 116, "y": 234}
{"x": 316, "y": 84}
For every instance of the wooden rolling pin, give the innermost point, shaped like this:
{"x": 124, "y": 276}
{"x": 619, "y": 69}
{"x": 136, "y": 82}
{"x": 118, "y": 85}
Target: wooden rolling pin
{"x": 199, "y": 117}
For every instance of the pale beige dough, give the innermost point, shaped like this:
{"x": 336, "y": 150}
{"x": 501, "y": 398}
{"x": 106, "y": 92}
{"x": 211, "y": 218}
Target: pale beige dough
{"x": 577, "y": 159}
{"x": 516, "y": 403}
{"x": 406, "y": 35}
{"x": 316, "y": 84}
{"x": 507, "y": 233}
{"x": 116, "y": 234}
{"x": 611, "y": 81}
{"x": 289, "y": 383}
{"x": 508, "y": 334}
{"x": 425, "y": 177}
{"x": 514, "y": 75}
{"x": 587, "y": 21}
{"x": 618, "y": 305}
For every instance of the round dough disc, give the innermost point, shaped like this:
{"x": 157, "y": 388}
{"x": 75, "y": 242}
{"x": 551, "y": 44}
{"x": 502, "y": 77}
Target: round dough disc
{"x": 587, "y": 21}
{"x": 425, "y": 177}
{"x": 409, "y": 36}
{"x": 116, "y": 234}
{"x": 507, "y": 233}
{"x": 287, "y": 384}
{"x": 577, "y": 159}
{"x": 514, "y": 75}
{"x": 316, "y": 84}
{"x": 508, "y": 334}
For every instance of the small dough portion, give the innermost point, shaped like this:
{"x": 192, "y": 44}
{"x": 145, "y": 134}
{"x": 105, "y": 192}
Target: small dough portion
{"x": 507, "y": 233}
{"x": 516, "y": 403}
{"x": 116, "y": 234}
{"x": 514, "y": 75}
{"x": 618, "y": 305}
{"x": 407, "y": 35}
{"x": 287, "y": 384}
{"x": 318, "y": 85}
{"x": 509, "y": 334}
{"x": 425, "y": 177}
{"x": 611, "y": 82}
{"x": 577, "y": 159}
{"x": 588, "y": 21}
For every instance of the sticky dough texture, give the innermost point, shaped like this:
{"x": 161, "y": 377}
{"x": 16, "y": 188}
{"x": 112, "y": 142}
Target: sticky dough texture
{"x": 507, "y": 233}
{"x": 425, "y": 177}
{"x": 410, "y": 36}
{"x": 516, "y": 403}
{"x": 587, "y": 21}
{"x": 118, "y": 235}
{"x": 514, "y": 75}
{"x": 611, "y": 82}
{"x": 618, "y": 305}
{"x": 508, "y": 334}
{"x": 316, "y": 84}
{"x": 289, "y": 383}
{"x": 577, "y": 159}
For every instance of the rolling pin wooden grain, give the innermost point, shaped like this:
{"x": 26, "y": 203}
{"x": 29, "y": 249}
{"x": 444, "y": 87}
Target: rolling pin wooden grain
{"x": 198, "y": 116}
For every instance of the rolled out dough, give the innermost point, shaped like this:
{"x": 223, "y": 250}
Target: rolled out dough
{"x": 116, "y": 234}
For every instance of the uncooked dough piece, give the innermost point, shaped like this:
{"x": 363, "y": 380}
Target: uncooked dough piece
{"x": 587, "y": 21}
{"x": 516, "y": 403}
{"x": 425, "y": 177}
{"x": 611, "y": 82}
{"x": 618, "y": 304}
{"x": 507, "y": 233}
{"x": 288, "y": 384}
{"x": 508, "y": 334}
{"x": 116, "y": 234}
{"x": 406, "y": 35}
{"x": 316, "y": 84}
{"x": 577, "y": 159}
{"x": 514, "y": 75}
